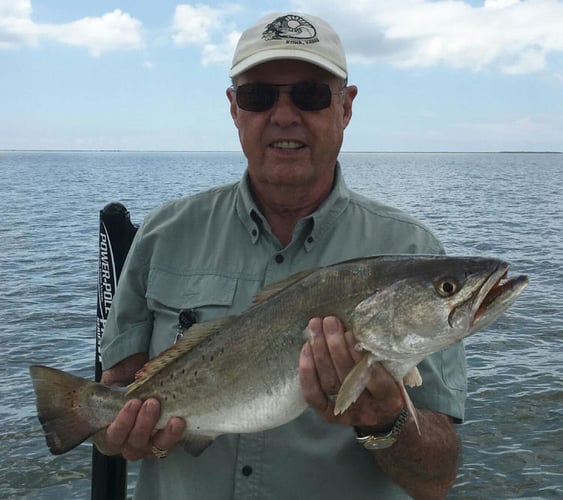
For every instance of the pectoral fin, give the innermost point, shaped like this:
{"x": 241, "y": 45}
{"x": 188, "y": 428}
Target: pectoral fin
{"x": 354, "y": 384}
{"x": 409, "y": 404}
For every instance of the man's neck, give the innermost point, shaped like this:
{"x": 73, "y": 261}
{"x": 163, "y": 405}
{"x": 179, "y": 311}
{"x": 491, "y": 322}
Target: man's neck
{"x": 284, "y": 207}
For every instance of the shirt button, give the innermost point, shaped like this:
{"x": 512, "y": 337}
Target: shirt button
{"x": 246, "y": 470}
{"x": 279, "y": 258}
{"x": 310, "y": 239}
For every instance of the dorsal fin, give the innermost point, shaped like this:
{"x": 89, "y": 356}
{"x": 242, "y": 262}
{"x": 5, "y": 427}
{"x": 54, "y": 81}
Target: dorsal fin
{"x": 274, "y": 288}
{"x": 195, "y": 336}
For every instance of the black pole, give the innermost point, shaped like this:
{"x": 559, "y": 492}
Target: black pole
{"x": 109, "y": 474}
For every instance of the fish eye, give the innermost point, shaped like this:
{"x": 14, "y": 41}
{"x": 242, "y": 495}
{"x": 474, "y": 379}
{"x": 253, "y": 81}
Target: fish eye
{"x": 447, "y": 287}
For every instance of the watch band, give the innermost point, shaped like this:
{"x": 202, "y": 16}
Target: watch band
{"x": 384, "y": 440}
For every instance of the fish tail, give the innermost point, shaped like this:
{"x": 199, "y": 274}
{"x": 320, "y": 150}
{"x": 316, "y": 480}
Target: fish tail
{"x": 68, "y": 407}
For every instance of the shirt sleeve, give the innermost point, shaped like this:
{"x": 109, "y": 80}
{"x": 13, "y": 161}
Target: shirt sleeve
{"x": 444, "y": 383}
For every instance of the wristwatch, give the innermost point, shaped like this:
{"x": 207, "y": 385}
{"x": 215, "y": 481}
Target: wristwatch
{"x": 386, "y": 439}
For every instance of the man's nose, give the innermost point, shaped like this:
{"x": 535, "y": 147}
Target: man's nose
{"x": 284, "y": 112}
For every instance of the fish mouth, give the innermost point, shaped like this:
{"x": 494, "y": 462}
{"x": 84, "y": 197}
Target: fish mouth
{"x": 495, "y": 296}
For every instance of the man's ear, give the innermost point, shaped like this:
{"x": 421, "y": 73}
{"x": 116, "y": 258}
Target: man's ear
{"x": 350, "y": 94}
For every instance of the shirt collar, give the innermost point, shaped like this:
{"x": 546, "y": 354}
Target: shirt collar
{"x": 315, "y": 225}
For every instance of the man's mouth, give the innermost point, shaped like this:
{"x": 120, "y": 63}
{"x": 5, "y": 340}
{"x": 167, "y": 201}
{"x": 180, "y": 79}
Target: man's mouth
{"x": 287, "y": 145}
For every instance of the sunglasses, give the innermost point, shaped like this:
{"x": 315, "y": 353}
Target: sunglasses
{"x": 307, "y": 96}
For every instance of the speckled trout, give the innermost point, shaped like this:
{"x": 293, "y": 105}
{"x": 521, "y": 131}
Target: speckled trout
{"x": 239, "y": 374}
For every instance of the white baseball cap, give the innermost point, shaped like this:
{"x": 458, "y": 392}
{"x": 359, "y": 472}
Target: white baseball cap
{"x": 290, "y": 36}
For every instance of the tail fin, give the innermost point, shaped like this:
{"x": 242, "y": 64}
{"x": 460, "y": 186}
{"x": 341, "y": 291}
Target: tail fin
{"x": 68, "y": 407}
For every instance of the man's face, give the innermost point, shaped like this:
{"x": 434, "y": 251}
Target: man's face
{"x": 284, "y": 145}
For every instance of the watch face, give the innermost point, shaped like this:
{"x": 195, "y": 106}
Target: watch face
{"x": 379, "y": 443}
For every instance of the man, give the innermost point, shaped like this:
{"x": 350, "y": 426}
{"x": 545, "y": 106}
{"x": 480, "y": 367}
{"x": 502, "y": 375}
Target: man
{"x": 206, "y": 256}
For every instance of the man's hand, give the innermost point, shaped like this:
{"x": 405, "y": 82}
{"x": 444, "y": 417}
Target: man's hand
{"x": 133, "y": 433}
{"x": 325, "y": 362}
{"x": 424, "y": 465}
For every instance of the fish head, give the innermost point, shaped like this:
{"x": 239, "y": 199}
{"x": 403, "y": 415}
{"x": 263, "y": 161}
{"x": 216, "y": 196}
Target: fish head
{"x": 434, "y": 303}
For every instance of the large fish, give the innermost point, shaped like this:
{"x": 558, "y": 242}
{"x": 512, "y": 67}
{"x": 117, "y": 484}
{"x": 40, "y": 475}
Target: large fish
{"x": 240, "y": 374}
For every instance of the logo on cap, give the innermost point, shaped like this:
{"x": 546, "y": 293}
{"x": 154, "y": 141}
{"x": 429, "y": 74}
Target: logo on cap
{"x": 292, "y": 29}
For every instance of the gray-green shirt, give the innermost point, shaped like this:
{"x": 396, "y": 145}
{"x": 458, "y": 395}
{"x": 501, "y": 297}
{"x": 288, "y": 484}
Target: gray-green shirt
{"x": 211, "y": 253}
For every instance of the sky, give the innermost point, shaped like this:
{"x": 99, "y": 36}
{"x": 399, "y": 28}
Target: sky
{"x": 433, "y": 75}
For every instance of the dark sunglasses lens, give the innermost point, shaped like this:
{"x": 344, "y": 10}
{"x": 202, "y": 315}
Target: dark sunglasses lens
{"x": 256, "y": 97}
{"x": 311, "y": 96}
{"x": 307, "y": 96}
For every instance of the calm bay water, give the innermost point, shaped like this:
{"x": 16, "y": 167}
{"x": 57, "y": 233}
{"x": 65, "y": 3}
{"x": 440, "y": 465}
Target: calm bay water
{"x": 502, "y": 205}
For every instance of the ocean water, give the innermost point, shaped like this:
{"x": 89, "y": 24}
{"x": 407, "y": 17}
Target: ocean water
{"x": 503, "y": 205}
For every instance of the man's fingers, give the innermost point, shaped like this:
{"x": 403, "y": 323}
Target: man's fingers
{"x": 148, "y": 416}
{"x": 311, "y": 387}
{"x": 118, "y": 431}
{"x": 338, "y": 347}
{"x": 325, "y": 362}
{"x": 326, "y": 372}
{"x": 169, "y": 437}
{"x": 133, "y": 431}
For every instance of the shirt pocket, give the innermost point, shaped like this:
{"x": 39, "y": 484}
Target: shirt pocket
{"x": 207, "y": 295}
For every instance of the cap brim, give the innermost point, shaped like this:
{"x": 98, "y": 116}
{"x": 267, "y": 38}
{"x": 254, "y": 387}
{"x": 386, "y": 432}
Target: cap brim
{"x": 277, "y": 54}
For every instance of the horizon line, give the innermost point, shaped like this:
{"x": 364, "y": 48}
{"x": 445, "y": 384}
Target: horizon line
{"x": 16, "y": 150}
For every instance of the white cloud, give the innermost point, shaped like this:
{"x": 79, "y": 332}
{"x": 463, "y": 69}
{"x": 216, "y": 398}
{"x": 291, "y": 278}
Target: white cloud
{"x": 515, "y": 36}
{"x": 223, "y": 52}
{"x": 15, "y": 8}
{"x": 115, "y": 30}
{"x": 499, "y": 4}
{"x": 16, "y": 27}
{"x": 206, "y": 27}
{"x": 196, "y": 25}
{"x": 511, "y": 36}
